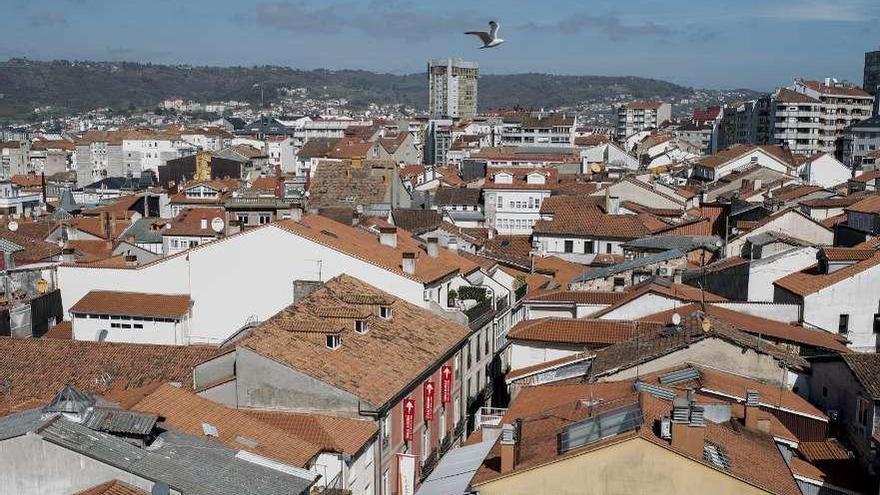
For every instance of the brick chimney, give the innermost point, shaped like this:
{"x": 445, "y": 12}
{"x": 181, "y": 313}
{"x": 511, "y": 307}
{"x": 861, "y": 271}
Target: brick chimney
{"x": 753, "y": 417}
{"x": 508, "y": 448}
{"x": 408, "y": 263}
{"x": 388, "y": 236}
{"x": 433, "y": 247}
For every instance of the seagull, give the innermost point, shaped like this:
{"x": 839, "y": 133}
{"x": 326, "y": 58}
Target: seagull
{"x": 490, "y": 39}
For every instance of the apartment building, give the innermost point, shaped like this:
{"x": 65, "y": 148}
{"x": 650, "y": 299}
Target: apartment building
{"x": 811, "y": 116}
{"x": 638, "y": 116}
{"x": 540, "y": 129}
{"x": 745, "y": 122}
{"x": 452, "y": 88}
{"x": 872, "y": 77}
{"x": 861, "y": 144}
{"x": 513, "y": 197}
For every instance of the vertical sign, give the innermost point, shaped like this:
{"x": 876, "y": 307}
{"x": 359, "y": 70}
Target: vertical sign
{"x": 445, "y": 383}
{"x": 409, "y": 418}
{"x": 428, "y": 400}
{"x": 406, "y": 474}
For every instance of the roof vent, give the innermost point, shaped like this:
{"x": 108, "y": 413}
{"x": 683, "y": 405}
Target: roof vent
{"x": 680, "y": 410}
{"x": 752, "y": 397}
{"x": 697, "y": 416}
{"x": 160, "y": 488}
{"x": 210, "y": 430}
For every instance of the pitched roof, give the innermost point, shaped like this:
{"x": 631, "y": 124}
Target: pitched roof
{"x": 416, "y": 220}
{"x": 365, "y": 246}
{"x": 788, "y": 96}
{"x": 811, "y": 280}
{"x": 447, "y": 196}
{"x": 343, "y": 183}
{"x": 107, "y": 302}
{"x": 579, "y": 297}
{"x": 185, "y": 411}
{"x": 329, "y": 433}
{"x": 114, "y": 487}
{"x": 194, "y": 222}
{"x": 761, "y": 327}
{"x": 739, "y": 150}
{"x": 412, "y": 341}
{"x": 630, "y": 265}
{"x": 94, "y": 367}
{"x": 584, "y": 216}
{"x": 866, "y": 368}
{"x": 871, "y": 204}
{"x": 663, "y": 287}
{"x": 581, "y": 331}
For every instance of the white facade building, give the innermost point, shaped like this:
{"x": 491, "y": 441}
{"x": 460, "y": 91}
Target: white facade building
{"x": 452, "y": 88}
{"x": 513, "y": 198}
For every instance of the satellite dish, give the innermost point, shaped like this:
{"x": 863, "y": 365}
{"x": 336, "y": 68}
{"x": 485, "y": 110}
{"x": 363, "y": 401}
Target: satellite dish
{"x": 596, "y": 168}
{"x": 676, "y": 319}
{"x": 217, "y": 225}
{"x": 12, "y": 226}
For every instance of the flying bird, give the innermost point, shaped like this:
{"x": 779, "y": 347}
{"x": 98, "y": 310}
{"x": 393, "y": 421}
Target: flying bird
{"x": 490, "y": 39}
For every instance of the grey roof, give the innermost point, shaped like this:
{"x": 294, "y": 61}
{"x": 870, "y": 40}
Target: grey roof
{"x": 69, "y": 400}
{"x": 9, "y": 246}
{"x": 68, "y": 203}
{"x": 456, "y": 468}
{"x": 18, "y": 424}
{"x": 142, "y": 232}
{"x": 773, "y": 236}
{"x": 466, "y": 216}
{"x": 190, "y": 465}
{"x": 121, "y": 421}
{"x": 630, "y": 265}
{"x": 873, "y": 122}
{"x": 457, "y": 196}
{"x": 683, "y": 243}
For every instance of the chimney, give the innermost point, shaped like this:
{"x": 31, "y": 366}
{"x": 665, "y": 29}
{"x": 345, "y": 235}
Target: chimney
{"x": 433, "y": 247}
{"x": 452, "y": 244}
{"x": 408, "y": 263}
{"x": 203, "y": 224}
{"x": 758, "y": 183}
{"x": 131, "y": 260}
{"x": 751, "y": 410}
{"x": 508, "y": 448}
{"x": 612, "y": 204}
{"x": 388, "y": 236}
{"x": 688, "y": 427}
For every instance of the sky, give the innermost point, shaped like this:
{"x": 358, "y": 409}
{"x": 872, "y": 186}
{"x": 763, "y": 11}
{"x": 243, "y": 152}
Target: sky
{"x": 701, "y": 43}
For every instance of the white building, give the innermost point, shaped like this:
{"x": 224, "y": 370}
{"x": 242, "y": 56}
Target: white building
{"x": 513, "y": 198}
{"x": 641, "y": 115}
{"x": 452, "y": 88}
{"x": 137, "y": 318}
{"x": 824, "y": 170}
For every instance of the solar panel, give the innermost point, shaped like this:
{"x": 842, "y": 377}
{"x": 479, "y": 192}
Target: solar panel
{"x": 679, "y": 376}
{"x": 601, "y": 426}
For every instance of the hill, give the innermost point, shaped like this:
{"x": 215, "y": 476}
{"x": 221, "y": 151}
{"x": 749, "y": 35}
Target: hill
{"x": 81, "y": 86}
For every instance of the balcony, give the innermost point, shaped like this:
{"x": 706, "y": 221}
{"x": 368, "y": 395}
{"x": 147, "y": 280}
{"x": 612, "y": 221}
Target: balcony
{"x": 480, "y": 314}
{"x": 489, "y": 416}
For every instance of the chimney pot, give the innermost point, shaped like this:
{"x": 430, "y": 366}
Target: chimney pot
{"x": 751, "y": 411}
{"x": 408, "y": 263}
{"x": 388, "y": 236}
{"x": 508, "y": 448}
{"x": 432, "y": 247}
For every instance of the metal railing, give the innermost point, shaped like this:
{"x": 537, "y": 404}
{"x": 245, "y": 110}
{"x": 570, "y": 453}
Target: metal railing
{"x": 480, "y": 314}
{"x": 489, "y": 416}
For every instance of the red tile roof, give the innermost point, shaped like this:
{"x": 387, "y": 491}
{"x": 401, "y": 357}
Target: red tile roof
{"x": 811, "y": 280}
{"x": 107, "y": 302}
{"x": 586, "y": 332}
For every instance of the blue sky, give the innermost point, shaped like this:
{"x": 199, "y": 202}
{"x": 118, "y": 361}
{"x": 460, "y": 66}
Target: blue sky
{"x": 703, "y": 43}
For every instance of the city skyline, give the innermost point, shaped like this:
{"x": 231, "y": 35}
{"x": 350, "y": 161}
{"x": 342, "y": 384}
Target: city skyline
{"x": 709, "y": 45}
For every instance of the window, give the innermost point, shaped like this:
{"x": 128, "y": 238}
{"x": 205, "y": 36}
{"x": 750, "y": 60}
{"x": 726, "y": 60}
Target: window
{"x": 456, "y": 412}
{"x": 385, "y": 312}
{"x": 441, "y": 431}
{"x": 333, "y": 342}
{"x": 863, "y": 412}
{"x": 843, "y": 325}
{"x": 589, "y": 247}
{"x": 265, "y": 218}
{"x": 824, "y": 391}
{"x": 569, "y": 246}
{"x": 242, "y": 218}
{"x": 426, "y": 442}
{"x": 477, "y": 345}
{"x": 386, "y": 431}
{"x": 486, "y": 343}
{"x": 500, "y": 203}
{"x": 360, "y": 326}
{"x": 608, "y": 248}
{"x": 469, "y": 357}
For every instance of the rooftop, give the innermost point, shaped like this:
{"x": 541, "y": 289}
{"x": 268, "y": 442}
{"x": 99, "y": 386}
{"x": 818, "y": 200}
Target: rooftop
{"x": 105, "y": 302}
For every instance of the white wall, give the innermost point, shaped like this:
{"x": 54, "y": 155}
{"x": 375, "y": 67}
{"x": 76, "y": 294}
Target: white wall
{"x": 523, "y": 355}
{"x": 825, "y": 171}
{"x": 763, "y": 272}
{"x": 232, "y": 279}
{"x": 790, "y": 223}
{"x": 784, "y": 313}
{"x": 857, "y": 296}
{"x": 153, "y": 332}
{"x": 647, "y": 304}
{"x": 756, "y": 156}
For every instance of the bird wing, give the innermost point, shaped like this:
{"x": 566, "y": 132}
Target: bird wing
{"x": 493, "y": 29}
{"x": 484, "y": 36}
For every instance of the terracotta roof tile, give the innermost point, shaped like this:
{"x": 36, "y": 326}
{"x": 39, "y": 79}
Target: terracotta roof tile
{"x": 866, "y": 368}
{"x": 580, "y": 297}
{"x": 871, "y": 204}
{"x": 93, "y": 367}
{"x": 185, "y": 411}
{"x": 811, "y": 280}
{"x": 194, "y": 222}
{"x": 582, "y": 331}
{"x": 61, "y": 330}
{"x": 107, "y": 302}
{"x": 114, "y": 487}
{"x": 330, "y": 433}
{"x": 411, "y": 342}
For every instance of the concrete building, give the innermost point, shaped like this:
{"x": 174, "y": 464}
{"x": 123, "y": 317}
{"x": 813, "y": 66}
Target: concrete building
{"x": 513, "y": 197}
{"x": 745, "y": 122}
{"x": 438, "y": 140}
{"x": 110, "y": 316}
{"x": 641, "y": 115}
{"x": 861, "y": 144}
{"x": 452, "y": 88}
{"x": 811, "y": 116}
{"x": 871, "y": 82}
{"x": 540, "y": 129}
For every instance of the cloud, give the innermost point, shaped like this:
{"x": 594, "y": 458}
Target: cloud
{"x": 46, "y": 19}
{"x": 390, "y": 19}
{"x": 824, "y": 10}
{"x": 608, "y": 24}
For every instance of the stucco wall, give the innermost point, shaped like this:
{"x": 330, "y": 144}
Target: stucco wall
{"x": 857, "y": 296}
{"x": 634, "y": 467}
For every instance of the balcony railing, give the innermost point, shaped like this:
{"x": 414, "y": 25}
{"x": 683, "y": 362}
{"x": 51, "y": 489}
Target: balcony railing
{"x": 489, "y": 416}
{"x": 521, "y": 291}
{"x": 480, "y": 314}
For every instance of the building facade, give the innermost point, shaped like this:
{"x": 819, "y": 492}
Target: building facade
{"x": 639, "y": 116}
{"x": 452, "y": 88}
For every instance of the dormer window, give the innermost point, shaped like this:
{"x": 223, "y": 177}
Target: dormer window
{"x": 385, "y": 312}
{"x": 360, "y": 326}
{"x": 334, "y": 342}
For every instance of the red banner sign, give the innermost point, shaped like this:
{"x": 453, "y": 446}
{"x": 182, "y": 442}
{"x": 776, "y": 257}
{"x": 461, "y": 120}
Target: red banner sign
{"x": 428, "y": 401}
{"x": 446, "y": 384}
{"x": 409, "y": 418}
